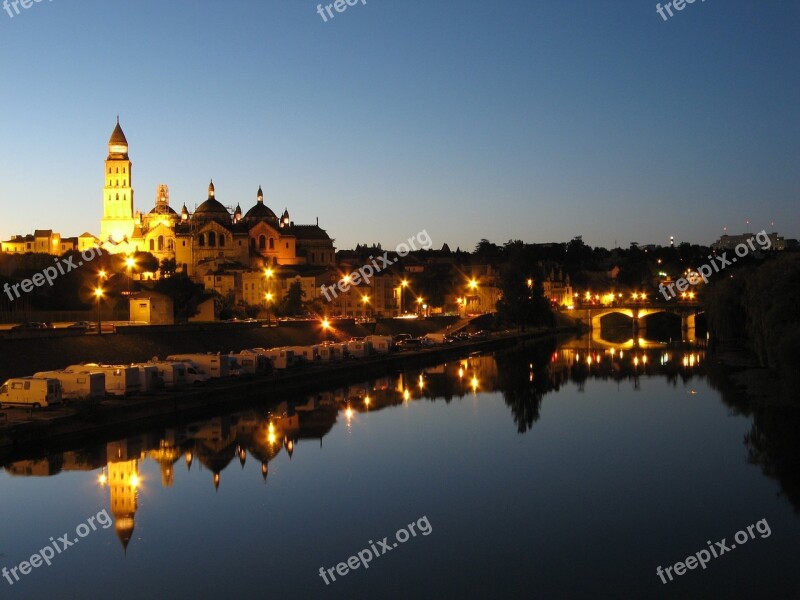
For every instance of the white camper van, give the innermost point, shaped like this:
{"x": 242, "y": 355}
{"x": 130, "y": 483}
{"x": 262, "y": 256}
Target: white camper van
{"x": 306, "y": 354}
{"x": 357, "y": 349}
{"x": 31, "y": 391}
{"x": 252, "y": 363}
{"x": 195, "y": 374}
{"x": 86, "y": 385}
{"x": 173, "y": 374}
{"x": 213, "y": 365}
{"x": 121, "y": 380}
{"x": 281, "y": 358}
{"x": 381, "y": 344}
{"x": 328, "y": 352}
{"x": 149, "y": 378}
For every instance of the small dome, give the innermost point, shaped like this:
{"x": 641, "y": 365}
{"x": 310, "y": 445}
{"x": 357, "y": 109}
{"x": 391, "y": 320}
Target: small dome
{"x": 260, "y": 195}
{"x": 118, "y": 136}
{"x": 211, "y": 189}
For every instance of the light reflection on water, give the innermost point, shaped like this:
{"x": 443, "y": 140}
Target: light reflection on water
{"x": 531, "y": 464}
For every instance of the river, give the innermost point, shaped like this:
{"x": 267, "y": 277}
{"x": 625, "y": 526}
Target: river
{"x": 552, "y": 471}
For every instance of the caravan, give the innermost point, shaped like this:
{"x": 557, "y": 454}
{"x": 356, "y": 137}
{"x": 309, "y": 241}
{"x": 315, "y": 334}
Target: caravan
{"x": 357, "y": 349}
{"x": 307, "y": 354}
{"x": 251, "y": 363}
{"x": 381, "y": 344}
{"x": 86, "y": 385}
{"x": 173, "y": 374}
{"x": 121, "y": 380}
{"x": 213, "y": 365}
{"x": 149, "y": 378}
{"x": 281, "y": 358}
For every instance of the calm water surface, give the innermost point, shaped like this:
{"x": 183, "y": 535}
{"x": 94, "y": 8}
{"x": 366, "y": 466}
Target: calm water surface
{"x": 569, "y": 472}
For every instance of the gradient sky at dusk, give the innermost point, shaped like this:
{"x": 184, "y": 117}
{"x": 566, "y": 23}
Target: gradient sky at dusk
{"x": 516, "y": 119}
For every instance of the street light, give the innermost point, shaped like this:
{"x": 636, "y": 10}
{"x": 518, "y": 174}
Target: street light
{"x": 419, "y": 304}
{"x": 268, "y": 295}
{"x": 98, "y": 293}
{"x": 403, "y": 286}
{"x": 365, "y": 300}
{"x": 130, "y": 262}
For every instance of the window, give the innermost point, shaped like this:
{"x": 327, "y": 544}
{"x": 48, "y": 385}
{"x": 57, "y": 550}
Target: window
{"x": 252, "y": 242}
{"x": 212, "y": 239}
{"x": 201, "y": 240}
{"x": 221, "y": 240}
{"x": 117, "y": 169}
{"x": 161, "y": 243}
{"x": 117, "y": 197}
{"x": 170, "y": 244}
{"x": 152, "y": 245}
{"x": 262, "y": 242}
{"x": 272, "y": 243}
{"x": 143, "y": 306}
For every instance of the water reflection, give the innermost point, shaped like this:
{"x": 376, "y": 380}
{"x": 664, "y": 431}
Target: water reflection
{"x": 522, "y": 375}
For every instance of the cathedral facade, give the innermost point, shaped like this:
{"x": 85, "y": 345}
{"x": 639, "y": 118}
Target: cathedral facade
{"x": 213, "y": 237}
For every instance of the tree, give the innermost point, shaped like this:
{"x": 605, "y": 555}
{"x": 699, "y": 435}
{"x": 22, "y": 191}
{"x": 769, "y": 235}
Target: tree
{"x": 292, "y": 303}
{"x": 522, "y": 304}
{"x": 186, "y": 295}
{"x": 168, "y": 267}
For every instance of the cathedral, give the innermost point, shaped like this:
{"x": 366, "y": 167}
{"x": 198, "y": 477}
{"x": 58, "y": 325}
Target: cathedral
{"x": 213, "y": 237}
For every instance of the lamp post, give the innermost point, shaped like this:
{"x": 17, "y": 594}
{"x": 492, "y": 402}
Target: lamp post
{"x": 98, "y": 292}
{"x": 130, "y": 262}
{"x": 419, "y": 305}
{"x": 473, "y": 286}
{"x": 403, "y": 285}
{"x": 365, "y": 300}
{"x": 268, "y": 295}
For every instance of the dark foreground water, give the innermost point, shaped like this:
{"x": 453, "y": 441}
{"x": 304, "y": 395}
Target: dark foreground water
{"x": 553, "y": 473}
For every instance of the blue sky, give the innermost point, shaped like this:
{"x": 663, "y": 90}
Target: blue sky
{"x": 505, "y": 120}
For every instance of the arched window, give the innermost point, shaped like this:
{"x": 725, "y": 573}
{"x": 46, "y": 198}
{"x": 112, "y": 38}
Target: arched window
{"x": 221, "y": 240}
{"x": 117, "y": 196}
{"x": 212, "y": 239}
{"x": 152, "y": 245}
{"x": 170, "y": 244}
{"x": 201, "y": 240}
{"x": 160, "y": 243}
{"x": 272, "y": 243}
{"x": 252, "y": 242}
{"x": 262, "y": 242}
{"x": 117, "y": 169}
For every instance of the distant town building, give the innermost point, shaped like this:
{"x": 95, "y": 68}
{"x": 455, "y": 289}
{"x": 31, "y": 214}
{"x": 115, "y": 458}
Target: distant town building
{"x": 729, "y": 242}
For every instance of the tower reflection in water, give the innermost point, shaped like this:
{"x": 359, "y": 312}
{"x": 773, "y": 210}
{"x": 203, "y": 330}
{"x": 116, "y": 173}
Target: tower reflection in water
{"x": 523, "y": 376}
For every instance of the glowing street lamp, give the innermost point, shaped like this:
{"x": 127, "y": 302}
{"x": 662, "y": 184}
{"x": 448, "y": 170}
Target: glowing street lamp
{"x": 130, "y": 262}
{"x": 98, "y": 293}
{"x": 403, "y": 286}
{"x": 268, "y": 295}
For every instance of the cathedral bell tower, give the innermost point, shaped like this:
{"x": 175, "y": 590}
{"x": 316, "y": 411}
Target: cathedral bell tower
{"x": 118, "y": 223}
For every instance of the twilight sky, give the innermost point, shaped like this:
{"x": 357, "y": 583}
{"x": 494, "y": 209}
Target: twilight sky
{"x": 513, "y": 119}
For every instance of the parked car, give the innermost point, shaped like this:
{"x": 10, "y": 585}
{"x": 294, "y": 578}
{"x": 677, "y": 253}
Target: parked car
{"x": 29, "y": 326}
{"x": 83, "y": 326}
{"x": 401, "y": 337}
{"x": 409, "y": 344}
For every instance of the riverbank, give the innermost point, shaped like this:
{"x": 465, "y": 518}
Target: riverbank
{"x": 27, "y": 431}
